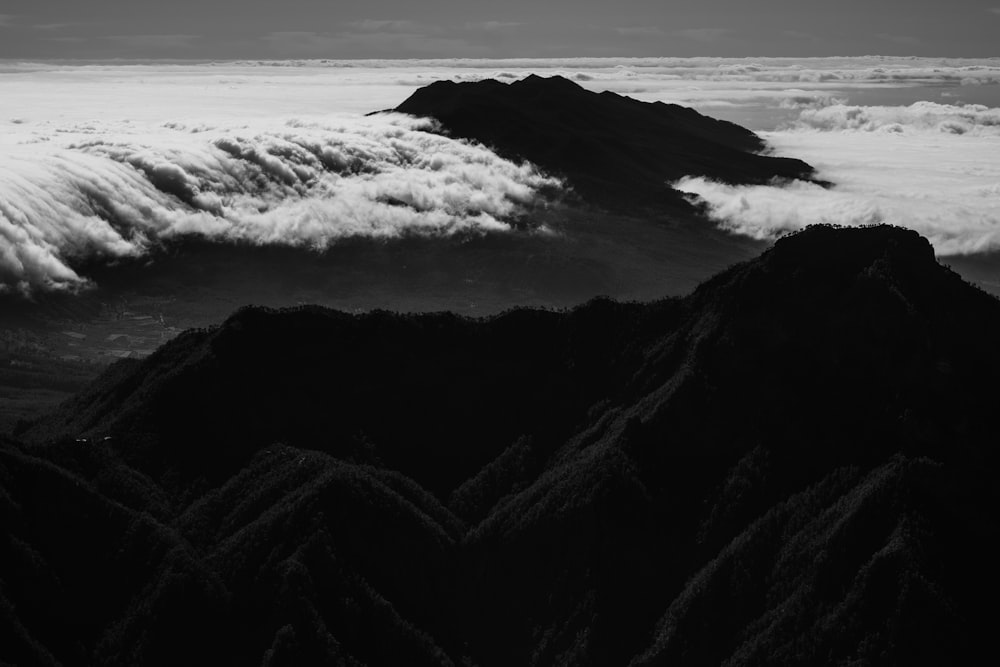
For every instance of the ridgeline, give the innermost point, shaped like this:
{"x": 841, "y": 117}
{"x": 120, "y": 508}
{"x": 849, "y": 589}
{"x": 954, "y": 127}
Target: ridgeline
{"x": 795, "y": 464}
{"x": 615, "y": 151}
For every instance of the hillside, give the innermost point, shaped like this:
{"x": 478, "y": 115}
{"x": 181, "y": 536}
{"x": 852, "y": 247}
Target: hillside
{"x": 615, "y": 151}
{"x": 793, "y": 465}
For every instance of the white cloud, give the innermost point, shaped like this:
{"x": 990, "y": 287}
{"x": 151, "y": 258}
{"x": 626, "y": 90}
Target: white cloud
{"x": 766, "y": 212}
{"x": 694, "y": 81}
{"x": 974, "y": 119}
{"x": 933, "y": 165}
{"x": 681, "y": 80}
{"x": 118, "y": 189}
{"x": 930, "y": 167}
{"x": 809, "y": 100}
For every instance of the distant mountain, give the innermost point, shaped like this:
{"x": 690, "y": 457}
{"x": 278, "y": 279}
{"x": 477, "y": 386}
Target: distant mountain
{"x": 615, "y": 151}
{"x": 794, "y": 465}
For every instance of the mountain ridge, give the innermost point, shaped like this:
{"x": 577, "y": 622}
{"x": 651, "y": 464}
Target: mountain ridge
{"x": 794, "y": 464}
{"x": 614, "y": 151}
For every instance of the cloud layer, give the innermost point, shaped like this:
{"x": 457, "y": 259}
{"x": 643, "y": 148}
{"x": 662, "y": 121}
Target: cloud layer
{"x": 329, "y": 86}
{"x": 931, "y": 167}
{"x": 116, "y": 190}
{"x": 973, "y": 119}
{"x": 110, "y": 159}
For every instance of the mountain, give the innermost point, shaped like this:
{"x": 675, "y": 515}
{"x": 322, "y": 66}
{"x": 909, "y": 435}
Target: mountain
{"x": 795, "y": 464}
{"x": 558, "y": 251}
{"x": 615, "y": 151}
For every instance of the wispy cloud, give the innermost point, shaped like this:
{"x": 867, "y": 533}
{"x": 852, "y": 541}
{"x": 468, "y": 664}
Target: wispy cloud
{"x": 492, "y": 26}
{"x": 994, "y": 10}
{"x": 704, "y": 34}
{"x": 640, "y": 31}
{"x": 302, "y": 44}
{"x": 798, "y": 34}
{"x": 897, "y": 39}
{"x": 66, "y": 39}
{"x": 368, "y": 40}
{"x": 156, "y": 43}
{"x": 376, "y": 25}
{"x": 46, "y": 27}
{"x": 6, "y": 20}
{"x": 371, "y": 38}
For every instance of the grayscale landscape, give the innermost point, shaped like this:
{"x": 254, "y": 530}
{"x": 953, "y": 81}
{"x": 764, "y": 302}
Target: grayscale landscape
{"x": 536, "y": 334}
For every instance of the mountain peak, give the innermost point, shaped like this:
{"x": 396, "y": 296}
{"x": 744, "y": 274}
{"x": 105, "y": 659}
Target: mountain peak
{"x": 819, "y": 421}
{"x": 830, "y": 245}
{"x": 845, "y": 272}
{"x": 556, "y": 82}
{"x": 614, "y": 151}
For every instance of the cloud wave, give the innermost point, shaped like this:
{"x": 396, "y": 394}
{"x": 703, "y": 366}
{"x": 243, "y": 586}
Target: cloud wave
{"x": 118, "y": 190}
{"x": 920, "y": 116}
{"x": 930, "y": 167}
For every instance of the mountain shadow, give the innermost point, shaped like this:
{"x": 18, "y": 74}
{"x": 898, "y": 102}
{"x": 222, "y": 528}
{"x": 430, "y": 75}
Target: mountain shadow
{"x": 615, "y": 151}
{"x": 793, "y": 465}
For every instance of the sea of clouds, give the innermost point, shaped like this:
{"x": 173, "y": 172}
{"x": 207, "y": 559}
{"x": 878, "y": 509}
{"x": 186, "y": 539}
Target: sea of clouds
{"x": 110, "y": 189}
{"x": 927, "y": 166}
{"x": 110, "y": 160}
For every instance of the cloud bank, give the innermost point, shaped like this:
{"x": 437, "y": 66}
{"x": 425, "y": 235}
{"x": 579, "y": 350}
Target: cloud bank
{"x": 931, "y": 167}
{"x": 111, "y": 159}
{"x": 973, "y": 119}
{"x": 330, "y": 86}
{"x": 113, "y": 190}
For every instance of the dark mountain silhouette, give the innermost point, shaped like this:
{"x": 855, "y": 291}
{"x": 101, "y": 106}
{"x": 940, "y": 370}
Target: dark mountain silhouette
{"x": 615, "y": 151}
{"x": 794, "y": 465}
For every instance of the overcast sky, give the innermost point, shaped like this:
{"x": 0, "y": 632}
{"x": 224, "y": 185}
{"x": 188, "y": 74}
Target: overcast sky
{"x": 217, "y": 29}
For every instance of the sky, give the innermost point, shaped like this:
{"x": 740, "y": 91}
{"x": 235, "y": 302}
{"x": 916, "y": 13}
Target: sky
{"x": 270, "y": 29}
